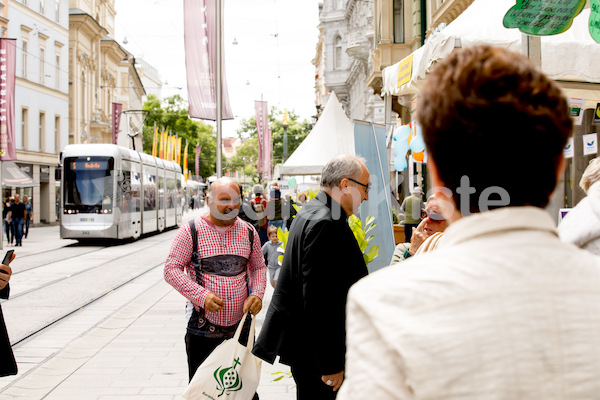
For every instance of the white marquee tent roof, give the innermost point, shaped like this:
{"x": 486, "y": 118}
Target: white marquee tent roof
{"x": 569, "y": 56}
{"x": 332, "y": 135}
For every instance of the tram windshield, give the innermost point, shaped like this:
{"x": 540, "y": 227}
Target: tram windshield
{"x": 88, "y": 185}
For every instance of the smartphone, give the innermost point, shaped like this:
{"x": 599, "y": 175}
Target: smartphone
{"x": 7, "y": 257}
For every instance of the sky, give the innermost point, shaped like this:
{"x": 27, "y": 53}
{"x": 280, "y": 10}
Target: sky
{"x": 272, "y": 60}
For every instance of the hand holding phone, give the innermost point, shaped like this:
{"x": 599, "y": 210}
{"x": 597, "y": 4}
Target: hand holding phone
{"x": 8, "y": 257}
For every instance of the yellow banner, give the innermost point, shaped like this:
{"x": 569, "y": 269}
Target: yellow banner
{"x": 405, "y": 71}
{"x": 161, "y": 147}
{"x": 185, "y": 161}
{"x": 179, "y": 151}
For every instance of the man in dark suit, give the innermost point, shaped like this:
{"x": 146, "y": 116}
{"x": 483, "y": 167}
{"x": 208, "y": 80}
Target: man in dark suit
{"x": 8, "y": 365}
{"x": 305, "y": 322}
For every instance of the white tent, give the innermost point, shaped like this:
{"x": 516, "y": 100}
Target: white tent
{"x": 332, "y": 135}
{"x": 572, "y": 56}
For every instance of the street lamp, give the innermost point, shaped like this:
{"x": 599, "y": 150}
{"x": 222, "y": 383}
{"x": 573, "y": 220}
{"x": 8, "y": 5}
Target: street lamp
{"x": 285, "y": 124}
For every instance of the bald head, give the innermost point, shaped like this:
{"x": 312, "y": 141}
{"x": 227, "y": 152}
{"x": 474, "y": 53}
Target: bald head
{"x": 224, "y": 197}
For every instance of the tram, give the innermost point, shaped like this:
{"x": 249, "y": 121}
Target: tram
{"x": 111, "y": 192}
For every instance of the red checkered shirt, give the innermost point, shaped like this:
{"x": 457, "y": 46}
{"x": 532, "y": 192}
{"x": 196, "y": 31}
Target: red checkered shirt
{"x": 233, "y": 290}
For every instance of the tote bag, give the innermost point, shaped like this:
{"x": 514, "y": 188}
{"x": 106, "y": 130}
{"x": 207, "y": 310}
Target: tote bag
{"x": 230, "y": 372}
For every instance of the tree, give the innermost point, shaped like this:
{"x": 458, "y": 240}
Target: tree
{"x": 246, "y": 159}
{"x": 172, "y": 115}
{"x": 296, "y": 132}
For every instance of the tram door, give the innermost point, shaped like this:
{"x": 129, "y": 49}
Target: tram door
{"x": 161, "y": 196}
{"x": 136, "y": 194}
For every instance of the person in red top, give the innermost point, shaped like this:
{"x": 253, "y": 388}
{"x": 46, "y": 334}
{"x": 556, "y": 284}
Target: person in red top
{"x": 260, "y": 207}
{"x": 224, "y": 280}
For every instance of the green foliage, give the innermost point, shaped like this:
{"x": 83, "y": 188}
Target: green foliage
{"x": 172, "y": 115}
{"x": 296, "y": 132}
{"x": 360, "y": 234}
{"x": 246, "y": 159}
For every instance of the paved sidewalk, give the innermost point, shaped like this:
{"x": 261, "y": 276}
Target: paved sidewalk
{"x": 136, "y": 353}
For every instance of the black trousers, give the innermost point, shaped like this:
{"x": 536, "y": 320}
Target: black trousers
{"x": 198, "y": 348}
{"x": 408, "y": 232}
{"x": 309, "y": 385}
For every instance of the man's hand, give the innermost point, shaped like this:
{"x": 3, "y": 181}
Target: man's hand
{"x": 334, "y": 380}
{"x": 418, "y": 237}
{"x": 213, "y": 303}
{"x": 253, "y": 304}
{"x": 5, "y": 274}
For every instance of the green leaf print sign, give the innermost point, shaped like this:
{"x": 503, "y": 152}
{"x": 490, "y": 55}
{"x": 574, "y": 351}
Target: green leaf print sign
{"x": 543, "y": 17}
{"x": 594, "y": 24}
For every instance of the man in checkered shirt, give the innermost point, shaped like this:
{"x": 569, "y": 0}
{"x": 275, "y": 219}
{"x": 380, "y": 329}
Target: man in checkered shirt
{"x": 232, "y": 280}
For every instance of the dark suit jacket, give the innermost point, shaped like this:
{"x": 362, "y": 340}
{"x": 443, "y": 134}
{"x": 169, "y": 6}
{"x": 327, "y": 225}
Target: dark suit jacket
{"x": 8, "y": 365}
{"x": 306, "y": 319}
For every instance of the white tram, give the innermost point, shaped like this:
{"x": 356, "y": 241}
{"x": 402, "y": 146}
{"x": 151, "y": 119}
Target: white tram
{"x": 111, "y": 192}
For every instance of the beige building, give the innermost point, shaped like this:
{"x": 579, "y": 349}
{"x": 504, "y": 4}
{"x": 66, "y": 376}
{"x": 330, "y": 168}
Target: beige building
{"x": 101, "y": 73}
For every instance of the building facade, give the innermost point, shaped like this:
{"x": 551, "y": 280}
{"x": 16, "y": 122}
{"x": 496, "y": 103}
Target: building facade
{"x": 41, "y": 95}
{"x": 343, "y": 61}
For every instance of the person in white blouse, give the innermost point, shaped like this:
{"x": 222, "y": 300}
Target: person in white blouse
{"x": 502, "y": 309}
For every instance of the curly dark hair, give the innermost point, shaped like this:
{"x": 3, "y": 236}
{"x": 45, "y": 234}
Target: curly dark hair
{"x": 491, "y": 115}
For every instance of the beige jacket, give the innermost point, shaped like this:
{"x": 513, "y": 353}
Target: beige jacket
{"x": 501, "y": 310}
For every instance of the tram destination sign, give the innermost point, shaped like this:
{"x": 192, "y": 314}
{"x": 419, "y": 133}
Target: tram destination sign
{"x": 81, "y": 165}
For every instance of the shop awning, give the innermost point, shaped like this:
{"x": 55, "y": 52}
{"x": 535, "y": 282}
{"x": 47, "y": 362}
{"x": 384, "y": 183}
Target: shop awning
{"x": 12, "y": 176}
{"x": 571, "y": 56}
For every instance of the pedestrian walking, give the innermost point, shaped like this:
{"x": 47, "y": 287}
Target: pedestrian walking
{"x": 17, "y": 215}
{"x": 411, "y": 207}
{"x": 271, "y": 252}
{"x": 7, "y": 224}
{"x": 259, "y": 203}
{"x": 305, "y": 322}
{"x": 502, "y": 309}
{"x": 216, "y": 263}
{"x": 29, "y": 218}
{"x": 274, "y": 208}
{"x": 8, "y": 365}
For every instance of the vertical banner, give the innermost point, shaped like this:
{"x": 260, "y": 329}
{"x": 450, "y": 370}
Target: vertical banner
{"x": 116, "y": 113}
{"x": 155, "y": 141}
{"x": 200, "y": 37}
{"x": 185, "y": 161}
{"x": 8, "y": 56}
{"x": 260, "y": 129}
{"x": 197, "y": 161}
{"x": 179, "y": 150}
{"x": 161, "y": 147}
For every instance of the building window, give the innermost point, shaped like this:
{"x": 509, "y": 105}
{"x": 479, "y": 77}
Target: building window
{"x": 398, "y": 21}
{"x": 57, "y": 10}
{"x": 24, "y": 127}
{"x": 42, "y": 131}
{"x": 42, "y": 6}
{"x": 24, "y": 64}
{"x": 338, "y": 53}
{"x": 42, "y": 65}
{"x": 57, "y": 72}
{"x": 57, "y": 147}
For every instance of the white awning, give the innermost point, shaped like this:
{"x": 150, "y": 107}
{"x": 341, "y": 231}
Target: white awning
{"x": 569, "y": 56}
{"x": 12, "y": 176}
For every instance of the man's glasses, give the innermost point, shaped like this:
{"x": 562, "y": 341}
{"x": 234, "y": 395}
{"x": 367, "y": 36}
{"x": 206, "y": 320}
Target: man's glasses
{"x": 367, "y": 186}
{"x": 435, "y": 217}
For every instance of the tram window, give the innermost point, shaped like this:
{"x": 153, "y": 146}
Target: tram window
{"x": 161, "y": 191}
{"x": 88, "y": 185}
{"x": 149, "y": 190}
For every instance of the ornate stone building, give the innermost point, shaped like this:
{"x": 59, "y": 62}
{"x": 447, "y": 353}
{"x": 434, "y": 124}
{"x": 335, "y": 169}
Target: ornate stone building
{"x": 101, "y": 72}
{"x": 344, "y": 50}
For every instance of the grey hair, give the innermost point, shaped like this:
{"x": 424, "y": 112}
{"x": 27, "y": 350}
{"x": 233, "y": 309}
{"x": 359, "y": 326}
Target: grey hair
{"x": 341, "y": 167}
{"x": 591, "y": 174}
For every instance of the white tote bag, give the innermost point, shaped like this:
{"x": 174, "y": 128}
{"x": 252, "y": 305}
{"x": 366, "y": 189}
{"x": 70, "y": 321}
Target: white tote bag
{"x": 230, "y": 372}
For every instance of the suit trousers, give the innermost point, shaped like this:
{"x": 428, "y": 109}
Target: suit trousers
{"x": 309, "y": 385}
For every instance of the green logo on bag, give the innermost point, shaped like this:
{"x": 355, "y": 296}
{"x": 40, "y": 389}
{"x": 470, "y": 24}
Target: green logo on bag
{"x": 228, "y": 380}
